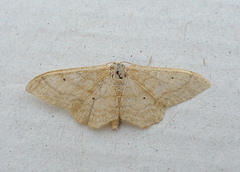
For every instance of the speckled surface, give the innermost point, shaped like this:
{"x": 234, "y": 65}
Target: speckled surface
{"x": 198, "y": 135}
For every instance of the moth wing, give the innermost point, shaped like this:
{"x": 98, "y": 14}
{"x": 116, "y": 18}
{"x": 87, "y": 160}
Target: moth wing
{"x": 68, "y": 87}
{"x": 100, "y": 107}
{"x": 139, "y": 107}
{"x": 87, "y": 91}
{"x": 168, "y": 86}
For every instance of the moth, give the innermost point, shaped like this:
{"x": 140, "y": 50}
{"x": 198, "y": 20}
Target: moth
{"x": 111, "y": 93}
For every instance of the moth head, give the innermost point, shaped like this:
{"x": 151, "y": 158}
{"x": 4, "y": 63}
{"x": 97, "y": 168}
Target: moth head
{"x": 118, "y": 70}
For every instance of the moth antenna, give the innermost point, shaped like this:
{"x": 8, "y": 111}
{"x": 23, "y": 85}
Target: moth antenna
{"x": 149, "y": 61}
{"x": 110, "y": 63}
{"x": 127, "y": 62}
{"x": 131, "y": 63}
{"x": 138, "y": 65}
{"x": 120, "y": 62}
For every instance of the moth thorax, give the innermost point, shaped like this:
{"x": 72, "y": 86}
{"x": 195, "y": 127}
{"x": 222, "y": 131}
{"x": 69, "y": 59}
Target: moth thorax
{"x": 119, "y": 74}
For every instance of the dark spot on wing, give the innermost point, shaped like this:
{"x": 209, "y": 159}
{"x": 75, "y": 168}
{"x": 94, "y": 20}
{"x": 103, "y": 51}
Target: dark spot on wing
{"x": 64, "y": 79}
{"x": 172, "y": 77}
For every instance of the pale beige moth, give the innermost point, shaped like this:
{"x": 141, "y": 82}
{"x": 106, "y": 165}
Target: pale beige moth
{"x": 111, "y": 93}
